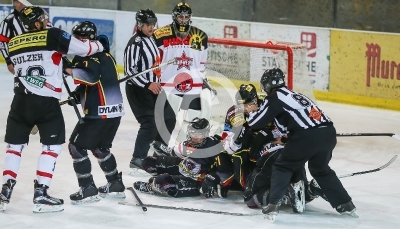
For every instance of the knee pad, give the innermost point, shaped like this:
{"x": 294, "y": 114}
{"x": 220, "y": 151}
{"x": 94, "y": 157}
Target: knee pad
{"x": 15, "y": 149}
{"x": 164, "y": 184}
{"x": 149, "y": 165}
{"x": 77, "y": 154}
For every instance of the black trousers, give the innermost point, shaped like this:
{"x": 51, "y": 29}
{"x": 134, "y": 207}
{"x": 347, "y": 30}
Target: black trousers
{"x": 315, "y": 146}
{"x": 155, "y": 116}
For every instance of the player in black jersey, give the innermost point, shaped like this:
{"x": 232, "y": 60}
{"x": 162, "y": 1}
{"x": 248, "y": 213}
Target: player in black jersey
{"x": 311, "y": 138}
{"x": 101, "y": 99}
{"x": 37, "y": 56}
{"x": 176, "y": 173}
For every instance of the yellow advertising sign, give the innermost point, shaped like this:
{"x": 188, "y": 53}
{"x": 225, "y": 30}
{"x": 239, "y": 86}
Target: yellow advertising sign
{"x": 365, "y": 64}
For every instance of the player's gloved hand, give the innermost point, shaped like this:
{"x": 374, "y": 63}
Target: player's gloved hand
{"x": 103, "y": 39}
{"x": 75, "y": 96}
{"x": 66, "y": 64}
{"x": 210, "y": 184}
{"x": 160, "y": 149}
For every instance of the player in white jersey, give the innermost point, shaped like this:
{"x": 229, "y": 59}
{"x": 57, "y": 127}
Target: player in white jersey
{"x": 37, "y": 58}
{"x": 183, "y": 81}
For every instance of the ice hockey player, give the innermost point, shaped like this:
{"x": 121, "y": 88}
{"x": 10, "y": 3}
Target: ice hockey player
{"x": 100, "y": 95}
{"x": 184, "y": 81}
{"x": 311, "y": 138}
{"x": 175, "y": 173}
{"x": 38, "y": 83}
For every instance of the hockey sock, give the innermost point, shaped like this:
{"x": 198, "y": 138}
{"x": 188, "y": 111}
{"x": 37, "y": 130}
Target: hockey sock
{"x": 107, "y": 163}
{"x": 47, "y": 163}
{"x": 12, "y": 161}
{"x": 82, "y": 165}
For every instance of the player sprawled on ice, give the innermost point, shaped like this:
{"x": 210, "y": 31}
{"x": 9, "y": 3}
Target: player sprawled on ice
{"x": 101, "y": 99}
{"x": 36, "y": 56}
{"x": 311, "y": 138}
{"x": 175, "y": 172}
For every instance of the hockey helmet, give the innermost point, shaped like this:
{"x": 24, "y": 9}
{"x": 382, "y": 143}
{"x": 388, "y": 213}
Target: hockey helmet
{"x": 235, "y": 116}
{"x": 197, "y": 132}
{"x": 272, "y": 79}
{"x": 247, "y": 94}
{"x": 146, "y": 16}
{"x": 85, "y": 29}
{"x": 31, "y": 14}
{"x": 182, "y": 11}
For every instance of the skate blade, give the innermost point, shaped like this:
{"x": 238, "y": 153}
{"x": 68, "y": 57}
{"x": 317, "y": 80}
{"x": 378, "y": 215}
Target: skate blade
{"x": 113, "y": 195}
{"x": 351, "y": 214}
{"x": 3, "y": 206}
{"x": 137, "y": 172}
{"x": 43, "y": 208}
{"x": 87, "y": 200}
{"x": 271, "y": 217}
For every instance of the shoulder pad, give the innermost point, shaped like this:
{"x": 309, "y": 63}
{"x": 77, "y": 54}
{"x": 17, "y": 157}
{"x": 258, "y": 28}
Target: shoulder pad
{"x": 11, "y": 15}
{"x": 163, "y": 32}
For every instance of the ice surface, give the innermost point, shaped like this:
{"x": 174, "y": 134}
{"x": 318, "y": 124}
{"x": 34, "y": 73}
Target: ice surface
{"x": 376, "y": 195}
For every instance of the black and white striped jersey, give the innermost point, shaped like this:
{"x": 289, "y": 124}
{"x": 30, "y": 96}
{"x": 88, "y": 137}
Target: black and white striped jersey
{"x": 291, "y": 111}
{"x": 141, "y": 53}
{"x": 10, "y": 27}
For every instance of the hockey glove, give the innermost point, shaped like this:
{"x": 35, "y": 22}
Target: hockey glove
{"x": 103, "y": 39}
{"x": 160, "y": 149}
{"x": 75, "y": 95}
{"x": 210, "y": 184}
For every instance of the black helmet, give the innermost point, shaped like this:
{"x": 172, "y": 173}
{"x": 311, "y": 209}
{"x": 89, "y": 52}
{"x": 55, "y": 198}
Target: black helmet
{"x": 182, "y": 9}
{"x": 85, "y": 29}
{"x": 247, "y": 93}
{"x": 31, "y": 14}
{"x": 145, "y": 16}
{"x": 271, "y": 79}
{"x": 199, "y": 127}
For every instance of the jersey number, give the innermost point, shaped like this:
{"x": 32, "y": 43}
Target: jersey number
{"x": 302, "y": 100}
{"x": 36, "y": 70}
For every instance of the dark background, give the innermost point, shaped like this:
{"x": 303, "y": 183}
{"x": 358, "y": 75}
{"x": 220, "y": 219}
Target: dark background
{"x": 371, "y": 15}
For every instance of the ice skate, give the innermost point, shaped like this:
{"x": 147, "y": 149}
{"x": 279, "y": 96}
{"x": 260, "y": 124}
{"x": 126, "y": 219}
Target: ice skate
{"x": 114, "y": 189}
{"x": 347, "y": 209}
{"x": 314, "y": 191}
{"x": 135, "y": 167}
{"x": 86, "y": 194}
{"x": 297, "y": 196}
{"x": 42, "y": 202}
{"x": 5, "y": 194}
{"x": 270, "y": 211}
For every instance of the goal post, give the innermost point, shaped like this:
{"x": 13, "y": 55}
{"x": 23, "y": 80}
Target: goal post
{"x": 232, "y": 62}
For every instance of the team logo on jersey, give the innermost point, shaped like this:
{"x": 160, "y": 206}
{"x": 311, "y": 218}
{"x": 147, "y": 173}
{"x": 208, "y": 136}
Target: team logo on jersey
{"x": 163, "y": 32}
{"x": 196, "y": 38}
{"x": 315, "y": 114}
{"x": 183, "y": 82}
{"x": 183, "y": 61}
{"x": 157, "y": 71}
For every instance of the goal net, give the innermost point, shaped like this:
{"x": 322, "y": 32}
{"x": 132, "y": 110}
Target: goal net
{"x": 232, "y": 62}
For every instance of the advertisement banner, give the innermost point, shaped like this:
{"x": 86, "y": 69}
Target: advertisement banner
{"x": 66, "y": 18}
{"x": 316, "y": 41}
{"x": 365, "y": 64}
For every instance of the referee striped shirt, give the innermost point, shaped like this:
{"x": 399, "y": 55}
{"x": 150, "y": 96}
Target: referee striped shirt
{"x": 10, "y": 27}
{"x": 291, "y": 111}
{"x": 141, "y": 53}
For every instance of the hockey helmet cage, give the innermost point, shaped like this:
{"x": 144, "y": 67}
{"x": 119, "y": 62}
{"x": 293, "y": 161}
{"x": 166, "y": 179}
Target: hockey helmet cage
{"x": 247, "y": 93}
{"x": 182, "y": 9}
{"x": 146, "y": 16}
{"x": 31, "y": 14}
{"x": 272, "y": 79}
{"x": 85, "y": 29}
{"x": 197, "y": 131}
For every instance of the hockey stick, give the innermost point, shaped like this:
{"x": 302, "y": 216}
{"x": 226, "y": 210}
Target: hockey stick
{"x": 138, "y": 199}
{"x": 133, "y": 76}
{"x": 191, "y": 209}
{"x": 368, "y": 134}
{"x": 369, "y": 171}
{"x": 71, "y": 98}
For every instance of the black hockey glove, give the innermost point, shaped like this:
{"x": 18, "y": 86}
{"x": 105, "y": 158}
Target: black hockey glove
{"x": 210, "y": 184}
{"x": 103, "y": 39}
{"x": 75, "y": 95}
{"x": 66, "y": 64}
{"x": 160, "y": 149}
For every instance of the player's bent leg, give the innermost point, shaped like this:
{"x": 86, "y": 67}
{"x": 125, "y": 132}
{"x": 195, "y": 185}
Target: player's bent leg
{"x": 256, "y": 200}
{"x": 88, "y": 192}
{"x": 114, "y": 187}
{"x": 11, "y": 167}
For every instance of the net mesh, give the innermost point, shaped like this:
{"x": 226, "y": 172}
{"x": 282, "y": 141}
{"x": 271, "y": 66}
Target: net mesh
{"x": 232, "y": 62}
